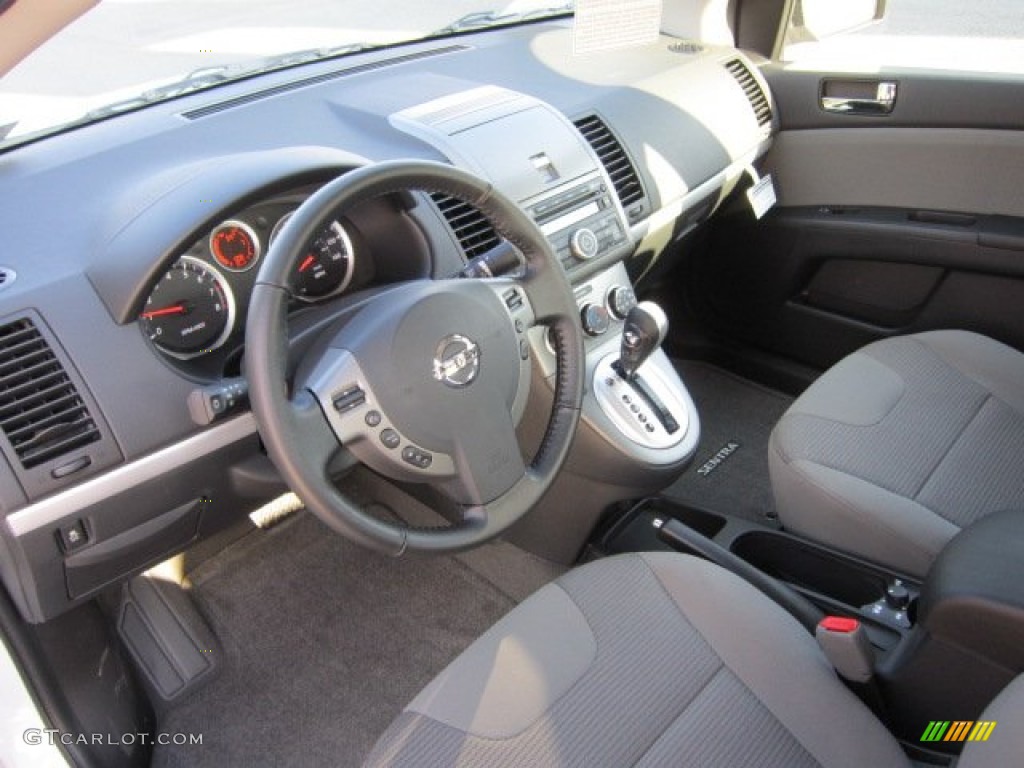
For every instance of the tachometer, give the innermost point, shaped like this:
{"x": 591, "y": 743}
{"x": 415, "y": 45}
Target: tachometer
{"x": 191, "y": 310}
{"x": 326, "y": 268}
{"x": 234, "y": 245}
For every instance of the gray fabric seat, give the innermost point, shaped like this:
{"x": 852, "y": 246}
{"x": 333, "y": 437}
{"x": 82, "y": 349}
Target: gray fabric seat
{"x": 901, "y": 444}
{"x": 646, "y": 660}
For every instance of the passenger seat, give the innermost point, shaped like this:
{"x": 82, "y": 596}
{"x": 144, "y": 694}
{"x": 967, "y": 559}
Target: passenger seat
{"x": 901, "y": 444}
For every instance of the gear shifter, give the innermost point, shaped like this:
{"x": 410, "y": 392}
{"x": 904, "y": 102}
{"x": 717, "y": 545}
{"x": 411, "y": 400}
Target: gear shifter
{"x": 642, "y": 333}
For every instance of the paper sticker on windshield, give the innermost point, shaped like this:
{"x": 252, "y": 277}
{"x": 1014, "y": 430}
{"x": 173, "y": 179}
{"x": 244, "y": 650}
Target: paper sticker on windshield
{"x": 600, "y": 25}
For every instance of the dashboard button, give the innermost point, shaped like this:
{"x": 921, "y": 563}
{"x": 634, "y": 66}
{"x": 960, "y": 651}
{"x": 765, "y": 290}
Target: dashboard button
{"x": 372, "y": 418}
{"x": 73, "y": 536}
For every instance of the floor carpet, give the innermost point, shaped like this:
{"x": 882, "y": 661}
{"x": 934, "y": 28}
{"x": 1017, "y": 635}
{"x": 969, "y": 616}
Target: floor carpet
{"x": 729, "y": 473}
{"x": 324, "y": 642}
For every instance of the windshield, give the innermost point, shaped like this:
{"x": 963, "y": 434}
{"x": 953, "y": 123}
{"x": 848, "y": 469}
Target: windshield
{"x": 123, "y": 54}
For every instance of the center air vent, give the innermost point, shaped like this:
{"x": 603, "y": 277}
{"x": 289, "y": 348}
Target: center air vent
{"x": 471, "y": 228}
{"x": 615, "y": 161}
{"x": 755, "y": 94}
{"x": 41, "y": 412}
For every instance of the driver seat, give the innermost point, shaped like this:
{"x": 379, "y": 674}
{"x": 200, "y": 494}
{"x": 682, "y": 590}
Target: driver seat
{"x": 647, "y": 660}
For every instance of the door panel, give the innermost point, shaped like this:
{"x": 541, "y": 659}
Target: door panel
{"x": 886, "y": 224}
{"x": 814, "y": 284}
{"x": 940, "y": 169}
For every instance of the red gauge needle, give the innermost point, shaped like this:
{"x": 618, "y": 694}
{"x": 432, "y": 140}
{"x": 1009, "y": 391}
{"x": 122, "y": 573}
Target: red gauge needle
{"x": 308, "y": 262}
{"x": 174, "y": 309}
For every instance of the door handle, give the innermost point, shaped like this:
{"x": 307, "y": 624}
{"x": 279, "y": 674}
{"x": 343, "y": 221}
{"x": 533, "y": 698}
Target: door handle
{"x": 854, "y": 97}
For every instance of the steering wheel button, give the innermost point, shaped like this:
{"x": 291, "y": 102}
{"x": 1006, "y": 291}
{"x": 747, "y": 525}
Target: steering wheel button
{"x": 350, "y": 398}
{"x": 390, "y": 438}
{"x": 418, "y": 458}
{"x": 372, "y": 418}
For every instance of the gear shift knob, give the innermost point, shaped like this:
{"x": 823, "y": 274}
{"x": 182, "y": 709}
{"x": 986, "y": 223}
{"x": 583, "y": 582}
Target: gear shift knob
{"x": 642, "y": 332}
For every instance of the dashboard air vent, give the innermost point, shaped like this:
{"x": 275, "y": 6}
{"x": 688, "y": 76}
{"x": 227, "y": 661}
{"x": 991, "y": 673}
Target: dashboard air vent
{"x": 470, "y": 227}
{"x": 41, "y": 412}
{"x": 614, "y": 159}
{"x": 755, "y": 95}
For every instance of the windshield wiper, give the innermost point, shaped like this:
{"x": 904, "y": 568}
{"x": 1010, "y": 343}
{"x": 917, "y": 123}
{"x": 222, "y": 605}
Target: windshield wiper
{"x": 487, "y": 19}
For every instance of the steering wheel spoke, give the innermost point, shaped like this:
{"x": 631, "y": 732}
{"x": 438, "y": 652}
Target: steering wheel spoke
{"x": 359, "y": 421}
{"x": 314, "y": 436}
{"x": 488, "y": 456}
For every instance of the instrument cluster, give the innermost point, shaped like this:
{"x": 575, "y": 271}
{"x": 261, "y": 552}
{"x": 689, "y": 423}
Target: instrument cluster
{"x": 200, "y": 302}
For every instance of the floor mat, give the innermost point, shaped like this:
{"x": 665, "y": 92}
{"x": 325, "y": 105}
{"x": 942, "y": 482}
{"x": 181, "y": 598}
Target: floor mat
{"x": 325, "y": 642}
{"x": 729, "y": 473}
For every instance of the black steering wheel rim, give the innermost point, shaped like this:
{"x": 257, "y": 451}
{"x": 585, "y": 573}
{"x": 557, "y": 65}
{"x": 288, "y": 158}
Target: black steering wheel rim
{"x": 294, "y": 426}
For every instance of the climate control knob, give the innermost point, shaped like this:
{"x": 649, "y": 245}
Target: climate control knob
{"x": 584, "y": 244}
{"x": 621, "y": 299}
{"x": 595, "y": 319}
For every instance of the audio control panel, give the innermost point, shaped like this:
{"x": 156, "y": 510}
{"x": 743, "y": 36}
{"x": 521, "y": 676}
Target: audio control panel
{"x": 582, "y": 222}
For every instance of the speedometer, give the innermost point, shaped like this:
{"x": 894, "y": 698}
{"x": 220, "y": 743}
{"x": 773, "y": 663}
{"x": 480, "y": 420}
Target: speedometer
{"x": 326, "y": 267}
{"x": 191, "y": 310}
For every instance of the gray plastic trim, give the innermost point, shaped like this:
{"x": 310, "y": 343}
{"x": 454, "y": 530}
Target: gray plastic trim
{"x": 54, "y": 508}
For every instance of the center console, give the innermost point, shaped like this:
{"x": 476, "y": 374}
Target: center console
{"x": 639, "y": 426}
{"x": 942, "y": 648}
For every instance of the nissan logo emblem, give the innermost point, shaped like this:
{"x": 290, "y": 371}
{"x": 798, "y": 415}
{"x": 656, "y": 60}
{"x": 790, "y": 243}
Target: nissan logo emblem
{"x": 456, "y": 361}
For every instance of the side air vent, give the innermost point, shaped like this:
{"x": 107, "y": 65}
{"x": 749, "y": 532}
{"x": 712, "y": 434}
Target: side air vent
{"x": 41, "y": 412}
{"x": 614, "y": 159}
{"x": 755, "y": 95}
{"x": 470, "y": 227}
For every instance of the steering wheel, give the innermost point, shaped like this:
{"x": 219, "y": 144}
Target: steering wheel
{"x": 424, "y": 383}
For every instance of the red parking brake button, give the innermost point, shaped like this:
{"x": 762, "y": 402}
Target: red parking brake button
{"x": 839, "y": 624}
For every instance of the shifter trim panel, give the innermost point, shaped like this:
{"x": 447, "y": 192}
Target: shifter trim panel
{"x": 630, "y": 412}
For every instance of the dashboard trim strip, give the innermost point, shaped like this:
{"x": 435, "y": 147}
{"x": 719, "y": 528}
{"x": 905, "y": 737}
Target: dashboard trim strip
{"x": 54, "y": 508}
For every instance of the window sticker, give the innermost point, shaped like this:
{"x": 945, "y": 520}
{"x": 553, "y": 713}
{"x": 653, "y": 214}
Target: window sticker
{"x": 602, "y": 25}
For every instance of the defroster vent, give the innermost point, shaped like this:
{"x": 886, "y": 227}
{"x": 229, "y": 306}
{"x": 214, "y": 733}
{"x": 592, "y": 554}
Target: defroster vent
{"x": 41, "y": 412}
{"x": 755, "y": 94}
{"x": 614, "y": 159}
{"x": 471, "y": 228}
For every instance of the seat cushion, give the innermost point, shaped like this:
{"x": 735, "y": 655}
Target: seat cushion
{"x": 900, "y": 445}
{"x": 1005, "y": 742}
{"x": 649, "y": 660}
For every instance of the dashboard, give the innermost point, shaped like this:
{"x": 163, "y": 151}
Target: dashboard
{"x": 132, "y": 246}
